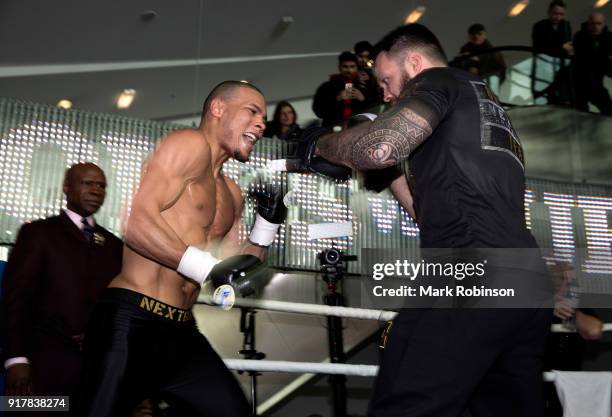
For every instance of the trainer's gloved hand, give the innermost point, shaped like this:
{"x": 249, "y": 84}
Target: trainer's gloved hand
{"x": 240, "y": 272}
{"x": 307, "y": 160}
{"x": 378, "y": 180}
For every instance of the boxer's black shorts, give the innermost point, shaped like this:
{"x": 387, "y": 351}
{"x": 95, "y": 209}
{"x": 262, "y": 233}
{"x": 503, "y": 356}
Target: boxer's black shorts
{"x": 138, "y": 348}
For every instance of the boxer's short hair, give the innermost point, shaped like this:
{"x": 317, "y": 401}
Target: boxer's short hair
{"x": 224, "y": 91}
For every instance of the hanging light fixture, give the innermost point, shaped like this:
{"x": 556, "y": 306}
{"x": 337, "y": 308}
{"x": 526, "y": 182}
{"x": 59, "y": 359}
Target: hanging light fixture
{"x": 126, "y": 98}
{"x": 415, "y": 15}
{"x": 518, "y": 8}
{"x": 64, "y": 104}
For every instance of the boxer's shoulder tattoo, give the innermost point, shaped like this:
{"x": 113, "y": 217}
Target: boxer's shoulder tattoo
{"x": 392, "y": 137}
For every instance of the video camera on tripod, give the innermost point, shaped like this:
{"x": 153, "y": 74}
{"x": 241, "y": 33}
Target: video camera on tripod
{"x": 333, "y": 262}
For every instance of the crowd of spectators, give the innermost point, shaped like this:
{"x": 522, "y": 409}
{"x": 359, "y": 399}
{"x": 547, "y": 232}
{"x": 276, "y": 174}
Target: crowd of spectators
{"x": 583, "y": 59}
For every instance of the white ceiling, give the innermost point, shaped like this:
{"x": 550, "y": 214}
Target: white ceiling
{"x": 89, "y": 51}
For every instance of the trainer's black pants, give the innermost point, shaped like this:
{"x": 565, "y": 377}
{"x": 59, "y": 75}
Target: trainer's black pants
{"x": 136, "y": 350}
{"x": 439, "y": 362}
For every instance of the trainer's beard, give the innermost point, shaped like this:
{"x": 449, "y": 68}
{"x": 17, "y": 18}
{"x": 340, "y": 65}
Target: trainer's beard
{"x": 404, "y": 81}
{"x": 238, "y": 157}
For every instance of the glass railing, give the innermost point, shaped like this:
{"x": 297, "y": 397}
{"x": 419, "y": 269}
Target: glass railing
{"x": 561, "y": 142}
{"x": 507, "y": 70}
{"x": 521, "y": 77}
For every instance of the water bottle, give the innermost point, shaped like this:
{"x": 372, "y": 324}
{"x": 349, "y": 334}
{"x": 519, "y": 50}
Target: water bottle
{"x": 572, "y": 297}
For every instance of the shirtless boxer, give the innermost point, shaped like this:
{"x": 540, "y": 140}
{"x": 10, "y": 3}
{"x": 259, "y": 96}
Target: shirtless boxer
{"x": 186, "y": 216}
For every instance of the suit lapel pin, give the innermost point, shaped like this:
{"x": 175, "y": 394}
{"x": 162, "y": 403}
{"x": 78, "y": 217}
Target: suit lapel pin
{"x": 98, "y": 239}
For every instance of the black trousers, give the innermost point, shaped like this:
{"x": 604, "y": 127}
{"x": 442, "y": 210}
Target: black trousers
{"x": 440, "y": 362}
{"x": 132, "y": 352}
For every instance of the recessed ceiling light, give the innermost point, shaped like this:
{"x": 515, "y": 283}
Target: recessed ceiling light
{"x": 148, "y": 15}
{"x": 64, "y": 104}
{"x": 415, "y": 15}
{"x": 125, "y": 98}
{"x": 518, "y": 8}
{"x": 601, "y": 3}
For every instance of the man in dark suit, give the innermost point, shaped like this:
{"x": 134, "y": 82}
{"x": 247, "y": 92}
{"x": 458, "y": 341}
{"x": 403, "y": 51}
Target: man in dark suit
{"x": 55, "y": 273}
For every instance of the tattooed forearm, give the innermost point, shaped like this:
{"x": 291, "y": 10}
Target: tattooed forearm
{"x": 385, "y": 142}
{"x": 337, "y": 147}
{"x": 391, "y": 138}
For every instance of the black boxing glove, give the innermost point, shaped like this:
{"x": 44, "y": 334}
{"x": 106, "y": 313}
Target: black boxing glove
{"x": 308, "y": 162}
{"x": 240, "y": 272}
{"x": 270, "y": 204}
{"x": 271, "y": 212}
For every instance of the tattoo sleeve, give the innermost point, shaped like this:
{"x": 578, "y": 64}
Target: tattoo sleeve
{"x": 380, "y": 144}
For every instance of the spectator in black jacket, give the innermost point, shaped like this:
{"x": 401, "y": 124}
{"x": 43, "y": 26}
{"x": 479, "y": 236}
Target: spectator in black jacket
{"x": 485, "y": 64}
{"x": 593, "y": 61}
{"x": 342, "y": 96}
{"x": 367, "y": 78}
{"x": 553, "y": 36}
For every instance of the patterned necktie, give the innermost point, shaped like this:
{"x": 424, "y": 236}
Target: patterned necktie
{"x": 87, "y": 229}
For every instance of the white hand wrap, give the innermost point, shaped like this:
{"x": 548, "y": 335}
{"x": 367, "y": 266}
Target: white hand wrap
{"x": 196, "y": 264}
{"x": 263, "y": 232}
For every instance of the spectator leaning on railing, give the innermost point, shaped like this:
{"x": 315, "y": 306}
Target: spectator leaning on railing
{"x": 485, "y": 64}
{"x": 553, "y": 36}
{"x": 593, "y": 61}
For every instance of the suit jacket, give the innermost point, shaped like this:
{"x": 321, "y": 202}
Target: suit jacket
{"x": 52, "y": 280}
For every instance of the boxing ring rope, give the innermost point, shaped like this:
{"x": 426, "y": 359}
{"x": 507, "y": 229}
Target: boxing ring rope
{"x": 301, "y": 367}
{"x": 558, "y": 328}
{"x": 323, "y": 310}
{"x": 345, "y": 312}
{"x": 315, "y": 368}
{"x": 304, "y": 308}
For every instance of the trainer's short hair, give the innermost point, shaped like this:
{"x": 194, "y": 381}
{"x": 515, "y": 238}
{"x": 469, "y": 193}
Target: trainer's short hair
{"x": 224, "y": 91}
{"x": 411, "y": 37}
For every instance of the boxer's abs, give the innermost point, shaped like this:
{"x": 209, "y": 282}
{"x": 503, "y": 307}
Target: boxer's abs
{"x": 150, "y": 278}
{"x": 197, "y": 224}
